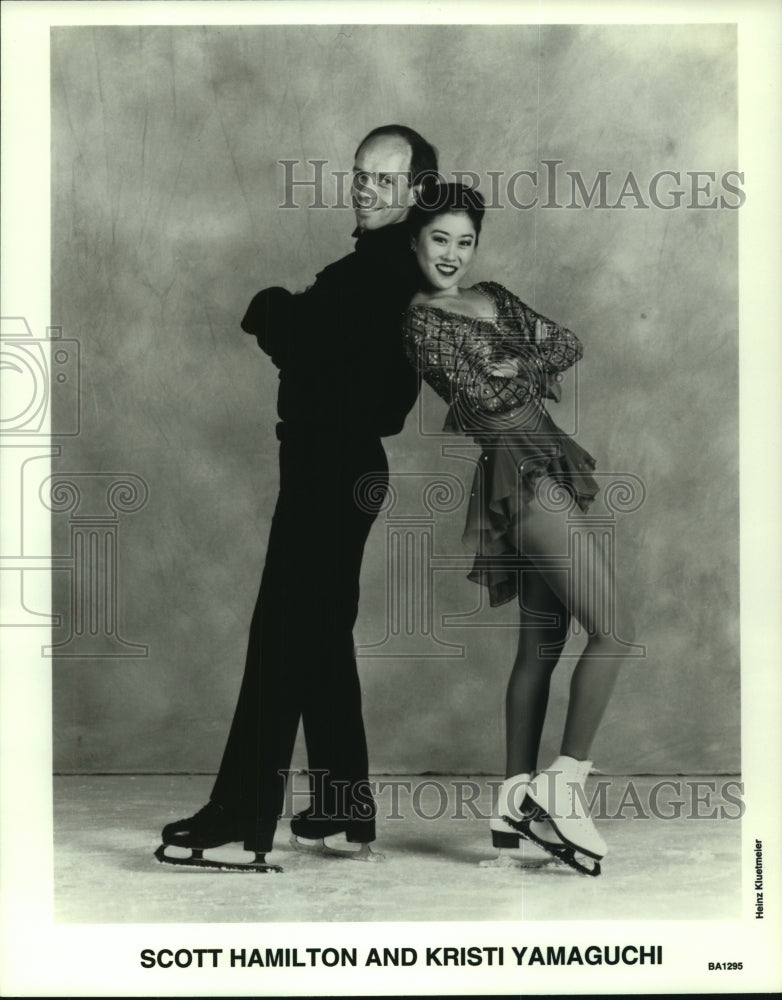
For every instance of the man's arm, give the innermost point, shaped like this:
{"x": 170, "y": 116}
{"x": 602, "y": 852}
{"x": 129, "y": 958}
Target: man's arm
{"x": 268, "y": 318}
{"x": 289, "y": 325}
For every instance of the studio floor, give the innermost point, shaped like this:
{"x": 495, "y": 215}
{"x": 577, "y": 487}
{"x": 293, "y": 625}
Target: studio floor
{"x": 659, "y": 865}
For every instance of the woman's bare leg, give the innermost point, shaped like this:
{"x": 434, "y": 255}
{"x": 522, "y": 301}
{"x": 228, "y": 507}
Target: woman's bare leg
{"x": 540, "y": 643}
{"x": 588, "y": 590}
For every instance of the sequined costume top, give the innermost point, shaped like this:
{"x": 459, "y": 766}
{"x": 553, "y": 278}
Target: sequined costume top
{"x": 456, "y": 355}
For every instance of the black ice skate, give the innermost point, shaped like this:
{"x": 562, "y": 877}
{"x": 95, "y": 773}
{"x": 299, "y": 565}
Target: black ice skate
{"x": 211, "y": 826}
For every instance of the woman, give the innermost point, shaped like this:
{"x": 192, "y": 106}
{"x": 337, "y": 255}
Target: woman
{"x": 493, "y": 359}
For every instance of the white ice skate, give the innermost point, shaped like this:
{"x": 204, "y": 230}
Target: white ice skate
{"x": 507, "y": 828}
{"x": 557, "y": 795}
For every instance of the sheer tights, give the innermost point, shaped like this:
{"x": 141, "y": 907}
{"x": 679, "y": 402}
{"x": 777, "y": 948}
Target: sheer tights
{"x": 549, "y": 597}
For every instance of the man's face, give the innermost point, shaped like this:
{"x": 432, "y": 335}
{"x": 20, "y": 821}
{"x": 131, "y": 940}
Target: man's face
{"x": 381, "y": 191}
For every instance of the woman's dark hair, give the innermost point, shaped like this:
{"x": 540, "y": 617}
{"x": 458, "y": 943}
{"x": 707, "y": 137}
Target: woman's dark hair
{"x": 441, "y": 199}
{"x": 423, "y": 155}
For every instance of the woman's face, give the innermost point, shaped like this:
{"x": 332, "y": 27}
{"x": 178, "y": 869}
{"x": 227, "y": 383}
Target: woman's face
{"x": 444, "y": 250}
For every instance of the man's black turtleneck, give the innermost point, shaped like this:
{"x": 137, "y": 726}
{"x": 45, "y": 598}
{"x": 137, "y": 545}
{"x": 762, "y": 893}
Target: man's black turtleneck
{"x": 338, "y": 345}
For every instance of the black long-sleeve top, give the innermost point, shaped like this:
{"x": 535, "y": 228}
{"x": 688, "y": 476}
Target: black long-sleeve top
{"x": 338, "y": 345}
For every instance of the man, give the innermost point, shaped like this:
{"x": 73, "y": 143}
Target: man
{"x": 344, "y": 384}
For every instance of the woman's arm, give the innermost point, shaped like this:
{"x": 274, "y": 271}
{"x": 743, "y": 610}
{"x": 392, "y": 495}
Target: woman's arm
{"x": 431, "y": 352}
{"x": 557, "y": 347}
{"x": 458, "y": 369}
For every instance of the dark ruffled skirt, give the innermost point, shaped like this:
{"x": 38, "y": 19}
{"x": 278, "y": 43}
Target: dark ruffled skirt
{"x": 508, "y": 471}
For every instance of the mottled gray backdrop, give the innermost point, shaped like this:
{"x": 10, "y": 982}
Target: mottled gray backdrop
{"x": 166, "y": 187}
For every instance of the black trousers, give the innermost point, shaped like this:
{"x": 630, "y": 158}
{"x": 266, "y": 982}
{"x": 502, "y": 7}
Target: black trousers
{"x": 300, "y": 657}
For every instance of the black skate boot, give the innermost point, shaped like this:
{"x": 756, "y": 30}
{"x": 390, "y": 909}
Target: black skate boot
{"x": 212, "y": 826}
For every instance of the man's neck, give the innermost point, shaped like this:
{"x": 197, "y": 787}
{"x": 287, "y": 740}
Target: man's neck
{"x": 392, "y": 229}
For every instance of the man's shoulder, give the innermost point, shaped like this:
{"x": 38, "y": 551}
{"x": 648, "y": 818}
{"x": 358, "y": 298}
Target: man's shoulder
{"x": 390, "y": 244}
{"x": 338, "y": 268}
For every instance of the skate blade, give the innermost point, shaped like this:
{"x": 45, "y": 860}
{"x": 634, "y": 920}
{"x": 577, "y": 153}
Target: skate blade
{"x": 533, "y": 837}
{"x": 516, "y": 858}
{"x": 362, "y": 852}
{"x": 577, "y": 849}
{"x": 196, "y": 861}
{"x": 564, "y": 852}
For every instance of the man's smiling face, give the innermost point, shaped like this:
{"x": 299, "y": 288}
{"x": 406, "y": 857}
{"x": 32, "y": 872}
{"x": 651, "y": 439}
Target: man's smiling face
{"x": 381, "y": 191}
